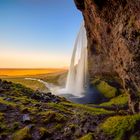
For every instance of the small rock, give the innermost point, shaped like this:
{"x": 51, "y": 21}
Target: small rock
{"x": 47, "y": 98}
{"x": 30, "y": 126}
{"x": 26, "y": 118}
{"x": 45, "y": 109}
{"x": 49, "y": 93}
{"x": 37, "y": 105}
{"x": 1, "y": 90}
{"x": 55, "y": 100}
{"x": 8, "y": 99}
{"x": 78, "y": 132}
{"x": 1, "y": 129}
{"x": 3, "y": 107}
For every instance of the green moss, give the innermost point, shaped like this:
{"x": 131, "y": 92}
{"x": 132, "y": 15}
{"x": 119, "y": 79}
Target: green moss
{"x": 3, "y": 126}
{"x": 25, "y": 103}
{"x": 56, "y": 127}
{"x": 88, "y": 109}
{"x": 105, "y": 89}
{"x": 15, "y": 125}
{"x": 13, "y": 93}
{"x": 27, "y": 83}
{"x": 133, "y": 137}
{"x": 1, "y": 116}
{"x": 22, "y": 99}
{"x": 72, "y": 126}
{"x": 52, "y": 116}
{"x": 60, "y": 107}
{"x": 22, "y": 134}
{"x": 117, "y": 126}
{"x": 43, "y": 132}
{"x": 8, "y": 103}
{"x": 131, "y": 21}
{"x": 18, "y": 90}
{"x": 33, "y": 110}
{"x": 120, "y": 100}
{"x": 88, "y": 136}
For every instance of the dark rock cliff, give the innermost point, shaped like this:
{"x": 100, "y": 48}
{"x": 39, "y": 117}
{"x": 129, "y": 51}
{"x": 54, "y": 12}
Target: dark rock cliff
{"x": 113, "y": 32}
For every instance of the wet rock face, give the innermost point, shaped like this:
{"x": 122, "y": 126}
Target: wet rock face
{"x": 113, "y": 31}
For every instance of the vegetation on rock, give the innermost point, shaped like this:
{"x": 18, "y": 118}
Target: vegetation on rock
{"x": 119, "y": 126}
{"x": 28, "y": 114}
{"x": 22, "y": 134}
{"x": 88, "y": 136}
{"x": 105, "y": 89}
{"x": 121, "y": 101}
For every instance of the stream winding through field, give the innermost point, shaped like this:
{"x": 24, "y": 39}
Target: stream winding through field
{"x": 51, "y": 87}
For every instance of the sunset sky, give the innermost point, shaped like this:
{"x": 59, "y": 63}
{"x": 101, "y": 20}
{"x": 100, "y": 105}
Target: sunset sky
{"x": 37, "y": 33}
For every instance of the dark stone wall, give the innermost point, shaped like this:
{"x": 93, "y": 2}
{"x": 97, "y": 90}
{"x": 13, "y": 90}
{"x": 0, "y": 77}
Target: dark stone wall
{"x": 113, "y": 31}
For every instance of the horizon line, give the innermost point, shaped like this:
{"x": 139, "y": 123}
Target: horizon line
{"x": 37, "y": 68}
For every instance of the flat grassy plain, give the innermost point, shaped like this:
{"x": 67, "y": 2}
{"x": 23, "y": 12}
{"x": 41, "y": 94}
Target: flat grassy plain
{"x": 55, "y": 76}
{"x": 25, "y": 72}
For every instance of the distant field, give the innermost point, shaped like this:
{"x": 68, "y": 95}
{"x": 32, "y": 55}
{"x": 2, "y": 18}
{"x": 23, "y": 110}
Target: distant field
{"x": 25, "y": 72}
{"x": 55, "y": 76}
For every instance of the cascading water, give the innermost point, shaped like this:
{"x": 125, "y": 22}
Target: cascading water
{"x": 77, "y": 75}
{"x": 77, "y": 88}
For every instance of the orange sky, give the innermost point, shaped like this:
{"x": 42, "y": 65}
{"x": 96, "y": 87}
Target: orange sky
{"x": 21, "y": 59}
{"x": 37, "y": 33}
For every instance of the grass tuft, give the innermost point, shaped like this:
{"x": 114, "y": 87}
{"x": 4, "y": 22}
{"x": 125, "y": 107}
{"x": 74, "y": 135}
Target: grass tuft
{"x": 88, "y": 136}
{"x": 88, "y": 109}
{"x": 52, "y": 116}
{"x": 22, "y": 134}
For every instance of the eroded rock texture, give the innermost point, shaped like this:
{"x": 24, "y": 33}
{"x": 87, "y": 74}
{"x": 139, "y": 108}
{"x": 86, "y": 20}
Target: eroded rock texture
{"x": 113, "y": 30}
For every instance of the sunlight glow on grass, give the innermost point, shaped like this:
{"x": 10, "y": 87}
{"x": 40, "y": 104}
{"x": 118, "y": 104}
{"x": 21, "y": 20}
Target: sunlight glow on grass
{"x": 22, "y": 72}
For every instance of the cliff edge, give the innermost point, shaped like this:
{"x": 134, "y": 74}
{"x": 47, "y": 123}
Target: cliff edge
{"x": 113, "y": 32}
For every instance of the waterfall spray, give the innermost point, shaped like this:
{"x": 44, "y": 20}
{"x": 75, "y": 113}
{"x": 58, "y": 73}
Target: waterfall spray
{"x": 77, "y": 75}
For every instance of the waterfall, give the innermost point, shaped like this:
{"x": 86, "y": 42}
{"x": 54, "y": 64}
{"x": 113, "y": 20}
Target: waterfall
{"x": 77, "y": 74}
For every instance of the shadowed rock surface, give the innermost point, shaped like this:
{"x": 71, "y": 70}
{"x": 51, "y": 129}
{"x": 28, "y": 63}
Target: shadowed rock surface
{"x": 113, "y": 31}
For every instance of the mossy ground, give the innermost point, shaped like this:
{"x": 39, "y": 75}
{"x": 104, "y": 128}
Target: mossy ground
{"x": 120, "y": 101}
{"x": 56, "y": 119}
{"x": 87, "y": 109}
{"x": 52, "y": 116}
{"x": 88, "y": 136}
{"x": 35, "y": 85}
{"x": 7, "y": 103}
{"x": 1, "y": 116}
{"x": 60, "y": 107}
{"x": 46, "y": 117}
{"x": 120, "y": 126}
{"x": 22, "y": 134}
